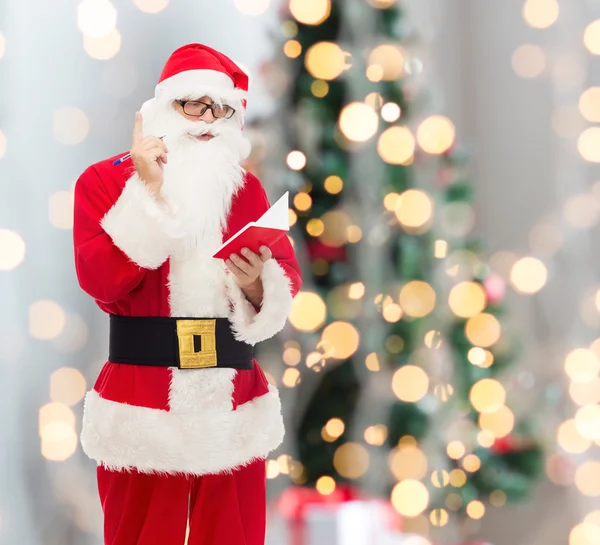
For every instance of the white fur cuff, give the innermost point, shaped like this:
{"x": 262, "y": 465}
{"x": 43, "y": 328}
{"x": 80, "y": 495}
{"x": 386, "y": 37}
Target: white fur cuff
{"x": 250, "y": 326}
{"x": 140, "y": 226}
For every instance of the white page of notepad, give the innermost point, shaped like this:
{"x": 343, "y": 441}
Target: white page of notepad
{"x": 277, "y": 217}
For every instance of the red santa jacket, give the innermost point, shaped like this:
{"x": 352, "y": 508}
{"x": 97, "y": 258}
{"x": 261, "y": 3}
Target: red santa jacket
{"x": 127, "y": 258}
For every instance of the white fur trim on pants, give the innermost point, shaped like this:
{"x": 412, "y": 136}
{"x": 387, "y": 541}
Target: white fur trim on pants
{"x": 140, "y": 226}
{"x": 125, "y": 437}
{"x": 250, "y": 326}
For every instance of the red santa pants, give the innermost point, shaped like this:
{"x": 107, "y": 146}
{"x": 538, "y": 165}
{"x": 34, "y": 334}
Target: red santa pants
{"x": 142, "y": 509}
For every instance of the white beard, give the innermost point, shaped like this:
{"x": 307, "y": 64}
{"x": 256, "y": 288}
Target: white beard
{"x": 200, "y": 177}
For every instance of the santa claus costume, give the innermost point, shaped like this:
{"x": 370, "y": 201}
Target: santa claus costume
{"x": 181, "y": 417}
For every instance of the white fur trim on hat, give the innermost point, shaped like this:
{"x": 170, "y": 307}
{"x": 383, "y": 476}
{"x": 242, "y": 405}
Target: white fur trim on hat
{"x": 250, "y": 326}
{"x": 197, "y": 83}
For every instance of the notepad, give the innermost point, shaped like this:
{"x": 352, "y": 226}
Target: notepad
{"x": 266, "y": 231}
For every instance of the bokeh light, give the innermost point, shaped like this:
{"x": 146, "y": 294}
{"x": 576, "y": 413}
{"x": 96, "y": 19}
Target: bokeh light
{"x": 390, "y": 112}
{"x": 589, "y": 144}
{"x": 308, "y": 311}
{"x": 325, "y": 485}
{"x": 540, "y": 13}
{"x": 333, "y": 184}
{"x": 439, "y": 517}
{"x": 291, "y": 377}
{"x": 351, "y": 460}
{"x": 67, "y": 386}
{"x": 585, "y": 393}
{"x": 12, "y": 250}
{"x": 467, "y": 299}
{"x": 302, "y": 201}
{"x": 151, "y": 6}
{"x": 529, "y": 61}
{"x": 2, "y": 144}
{"x": 358, "y": 121}
{"x": 455, "y": 450}
{"x": 433, "y": 339}
{"x": 475, "y": 509}
{"x": 410, "y": 497}
{"x": 396, "y": 145}
{"x": 584, "y": 534}
{"x": 372, "y": 362}
{"x": 417, "y": 298}
{"x": 498, "y": 498}
{"x": 71, "y": 126}
{"x": 414, "y": 209}
{"x": 499, "y": 423}
{"x": 589, "y": 104}
{"x": 296, "y": 160}
{"x": 382, "y": 4}
{"x": 325, "y": 60}
{"x": 483, "y": 330}
{"x": 487, "y": 395}
{"x": 376, "y": 435}
{"x": 569, "y": 438}
{"x": 480, "y": 357}
{"x": 334, "y": 428}
{"x": 310, "y": 12}
{"x": 471, "y": 463}
{"x": 342, "y": 337}
{"x": 104, "y": 47}
{"x": 528, "y": 275}
{"x": 440, "y": 478}
{"x": 59, "y": 441}
{"x": 272, "y": 469}
{"x": 591, "y": 37}
{"x": 587, "y": 478}
{"x": 293, "y": 49}
{"x": 441, "y": 249}
{"x": 335, "y": 228}
{"x": 96, "y": 18}
{"x": 2, "y": 45}
{"x": 252, "y": 7}
{"x": 436, "y": 134}
{"x": 582, "y": 365}
{"x": 410, "y": 383}
{"x": 46, "y": 319}
{"x": 389, "y": 59}
{"x": 587, "y": 421}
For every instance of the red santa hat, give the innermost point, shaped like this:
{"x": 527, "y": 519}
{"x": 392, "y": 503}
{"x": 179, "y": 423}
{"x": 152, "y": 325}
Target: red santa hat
{"x": 195, "y": 70}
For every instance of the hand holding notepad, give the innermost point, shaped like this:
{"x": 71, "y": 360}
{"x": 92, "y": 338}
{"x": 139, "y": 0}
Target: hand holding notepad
{"x": 265, "y": 231}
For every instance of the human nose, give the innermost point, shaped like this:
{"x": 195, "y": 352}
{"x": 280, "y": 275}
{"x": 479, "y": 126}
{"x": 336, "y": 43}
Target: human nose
{"x": 208, "y": 116}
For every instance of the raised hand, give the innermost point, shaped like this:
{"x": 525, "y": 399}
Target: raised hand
{"x": 149, "y": 155}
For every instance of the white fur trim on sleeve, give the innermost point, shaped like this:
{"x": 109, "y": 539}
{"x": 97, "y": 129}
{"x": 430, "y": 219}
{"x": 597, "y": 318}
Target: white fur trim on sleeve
{"x": 140, "y": 226}
{"x": 250, "y": 326}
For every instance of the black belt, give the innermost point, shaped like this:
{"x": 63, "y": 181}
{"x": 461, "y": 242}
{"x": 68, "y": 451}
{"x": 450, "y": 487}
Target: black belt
{"x": 186, "y": 343}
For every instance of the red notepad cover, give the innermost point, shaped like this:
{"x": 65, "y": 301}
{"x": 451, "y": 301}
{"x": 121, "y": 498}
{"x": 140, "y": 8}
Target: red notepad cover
{"x": 265, "y": 231}
{"x": 252, "y": 238}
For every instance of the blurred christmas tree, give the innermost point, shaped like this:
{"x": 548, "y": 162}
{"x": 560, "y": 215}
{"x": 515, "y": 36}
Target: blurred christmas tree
{"x": 399, "y": 327}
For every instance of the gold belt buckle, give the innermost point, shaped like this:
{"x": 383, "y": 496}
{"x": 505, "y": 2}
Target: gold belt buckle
{"x": 189, "y": 358}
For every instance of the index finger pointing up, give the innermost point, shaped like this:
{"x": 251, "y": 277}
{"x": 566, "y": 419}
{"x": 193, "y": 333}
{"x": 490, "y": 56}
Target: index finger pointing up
{"x": 137, "y": 128}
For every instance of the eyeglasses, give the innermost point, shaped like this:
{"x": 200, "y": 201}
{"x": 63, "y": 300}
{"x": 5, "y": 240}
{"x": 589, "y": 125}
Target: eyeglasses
{"x": 198, "y": 109}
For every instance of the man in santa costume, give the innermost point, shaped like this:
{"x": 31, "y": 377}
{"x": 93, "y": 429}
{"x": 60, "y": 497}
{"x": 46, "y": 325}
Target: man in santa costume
{"x": 181, "y": 418}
